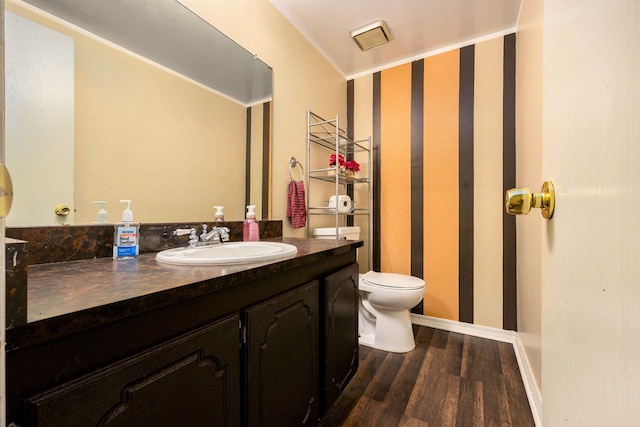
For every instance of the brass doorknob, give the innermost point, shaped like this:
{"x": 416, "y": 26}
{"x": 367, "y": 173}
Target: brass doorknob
{"x": 62, "y": 210}
{"x": 6, "y": 191}
{"x": 519, "y": 201}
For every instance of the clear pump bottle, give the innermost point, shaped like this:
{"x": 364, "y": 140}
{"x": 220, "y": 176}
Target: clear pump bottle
{"x": 126, "y": 237}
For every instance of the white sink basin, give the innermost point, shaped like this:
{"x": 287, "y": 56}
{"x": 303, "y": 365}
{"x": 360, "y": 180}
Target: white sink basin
{"x": 228, "y": 253}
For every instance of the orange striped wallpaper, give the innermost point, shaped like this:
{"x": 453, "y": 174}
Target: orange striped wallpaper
{"x": 395, "y": 160}
{"x": 460, "y": 173}
{"x": 441, "y": 184}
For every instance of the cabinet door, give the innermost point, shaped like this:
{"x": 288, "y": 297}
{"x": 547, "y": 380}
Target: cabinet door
{"x": 340, "y": 351}
{"x": 282, "y": 359}
{"x": 192, "y": 380}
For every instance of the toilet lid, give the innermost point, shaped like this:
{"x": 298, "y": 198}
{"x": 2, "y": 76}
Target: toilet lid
{"x": 392, "y": 280}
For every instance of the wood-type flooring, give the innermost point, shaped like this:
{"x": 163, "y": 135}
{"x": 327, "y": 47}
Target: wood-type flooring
{"x": 449, "y": 379}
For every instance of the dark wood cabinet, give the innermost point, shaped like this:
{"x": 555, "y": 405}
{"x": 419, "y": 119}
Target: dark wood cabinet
{"x": 192, "y": 380}
{"x": 273, "y": 351}
{"x": 340, "y": 316}
{"x": 282, "y": 359}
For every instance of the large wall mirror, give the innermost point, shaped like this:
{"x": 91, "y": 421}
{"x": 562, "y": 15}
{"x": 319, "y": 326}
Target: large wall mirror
{"x": 133, "y": 100}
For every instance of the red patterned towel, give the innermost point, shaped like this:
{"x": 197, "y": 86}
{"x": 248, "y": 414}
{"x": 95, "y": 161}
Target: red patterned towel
{"x": 296, "y": 207}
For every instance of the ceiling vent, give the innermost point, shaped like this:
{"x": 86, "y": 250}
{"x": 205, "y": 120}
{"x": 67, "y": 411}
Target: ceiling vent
{"x": 372, "y": 35}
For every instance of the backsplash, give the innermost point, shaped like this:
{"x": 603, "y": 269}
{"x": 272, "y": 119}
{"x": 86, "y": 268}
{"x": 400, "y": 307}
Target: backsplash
{"x": 16, "y": 282}
{"x": 70, "y": 243}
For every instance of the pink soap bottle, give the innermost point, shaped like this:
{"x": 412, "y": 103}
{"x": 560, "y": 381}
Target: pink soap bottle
{"x": 251, "y": 229}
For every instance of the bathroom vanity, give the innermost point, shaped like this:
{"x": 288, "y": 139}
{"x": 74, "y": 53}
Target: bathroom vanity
{"x": 136, "y": 342}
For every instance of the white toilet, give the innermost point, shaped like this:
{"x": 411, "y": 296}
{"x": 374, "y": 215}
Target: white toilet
{"x": 385, "y": 301}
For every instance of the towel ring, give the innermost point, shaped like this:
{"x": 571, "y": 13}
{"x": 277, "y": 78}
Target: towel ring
{"x": 292, "y": 164}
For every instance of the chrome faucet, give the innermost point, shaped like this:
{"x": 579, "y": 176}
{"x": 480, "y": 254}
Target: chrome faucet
{"x": 216, "y": 236}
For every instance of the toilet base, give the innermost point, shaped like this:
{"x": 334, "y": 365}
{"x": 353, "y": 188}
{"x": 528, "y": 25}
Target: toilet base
{"x": 393, "y": 333}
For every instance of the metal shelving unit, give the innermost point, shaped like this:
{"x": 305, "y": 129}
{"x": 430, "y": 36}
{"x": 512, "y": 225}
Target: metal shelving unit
{"x": 328, "y": 135}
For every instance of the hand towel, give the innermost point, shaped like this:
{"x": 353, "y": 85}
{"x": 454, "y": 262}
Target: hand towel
{"x": 296, "y": 207}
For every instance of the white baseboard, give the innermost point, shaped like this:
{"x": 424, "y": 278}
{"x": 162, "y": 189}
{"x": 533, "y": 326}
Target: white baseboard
{"x": 533, "y": 395}
{"x": 464, "y": 328}
{"x": 535, "y": 400}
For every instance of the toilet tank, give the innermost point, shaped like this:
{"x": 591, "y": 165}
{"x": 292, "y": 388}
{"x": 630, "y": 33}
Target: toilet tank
{"x": 344, "y": 233}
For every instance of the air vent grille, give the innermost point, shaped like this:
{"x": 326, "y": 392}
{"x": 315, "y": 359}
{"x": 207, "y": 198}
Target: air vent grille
{"x": 373, "y": 35}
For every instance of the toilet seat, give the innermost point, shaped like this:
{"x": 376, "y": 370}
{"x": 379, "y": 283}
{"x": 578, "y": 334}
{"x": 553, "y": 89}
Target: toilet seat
{"x": 392, "y": 281}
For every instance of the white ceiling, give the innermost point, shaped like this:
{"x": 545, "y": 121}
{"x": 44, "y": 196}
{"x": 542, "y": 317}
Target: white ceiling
{"x": 419, "y": 27}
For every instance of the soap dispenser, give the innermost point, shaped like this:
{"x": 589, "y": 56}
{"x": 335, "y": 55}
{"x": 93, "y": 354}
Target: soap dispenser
{"x": 126, "y": 236}
{"x": 102, "y": 213}
{"x": 219, "y": 214}
{"x": 251, "y": 229}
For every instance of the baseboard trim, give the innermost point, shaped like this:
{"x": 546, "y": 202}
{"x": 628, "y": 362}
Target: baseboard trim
{"x": 464, "y": 328}
{"x": 535, "y": 400}
{"x": 511, "y": 337}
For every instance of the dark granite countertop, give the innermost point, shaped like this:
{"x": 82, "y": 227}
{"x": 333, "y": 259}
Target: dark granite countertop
{"x": 70, "y": 296}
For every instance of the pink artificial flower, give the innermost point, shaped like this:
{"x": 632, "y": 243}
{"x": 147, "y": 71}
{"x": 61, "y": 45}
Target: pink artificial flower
{"x": 352, "y": 165}
{"x": 332, "y": 160}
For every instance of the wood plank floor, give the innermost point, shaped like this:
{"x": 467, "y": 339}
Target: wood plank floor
{"x": 449, "y": 379}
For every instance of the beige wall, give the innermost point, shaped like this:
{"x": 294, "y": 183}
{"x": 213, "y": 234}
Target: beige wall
{"x": 528, "y": 170}
{"x": 302, "y": 79}
{"x": 166, "y": 152}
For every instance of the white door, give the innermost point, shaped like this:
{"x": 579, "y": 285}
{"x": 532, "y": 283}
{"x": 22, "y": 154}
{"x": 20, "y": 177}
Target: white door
{"x": 39, "y": 117}
{"x": 2, "y": 248}
{"x": 591, "y": 248}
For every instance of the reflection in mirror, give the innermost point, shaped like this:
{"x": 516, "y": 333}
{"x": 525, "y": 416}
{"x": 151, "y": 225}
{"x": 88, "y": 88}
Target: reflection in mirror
{"x": 135, "y": 124}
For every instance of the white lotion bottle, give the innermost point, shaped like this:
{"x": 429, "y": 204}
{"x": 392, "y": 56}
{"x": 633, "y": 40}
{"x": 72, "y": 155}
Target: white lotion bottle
{"x": 219, "y": 215}
{"x": 251, "y": 229}
{"x": 102, "y": 213}
{"x": 126, "y": 236}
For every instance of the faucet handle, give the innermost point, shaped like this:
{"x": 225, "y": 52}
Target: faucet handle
{"x": 224, "y": 234}
{"x": 183, "y": 231}
{"x": 193, "y": 236}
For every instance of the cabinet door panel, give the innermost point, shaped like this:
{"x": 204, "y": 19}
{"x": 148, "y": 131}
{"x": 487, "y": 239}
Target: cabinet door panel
{"x": 192, "y": 380}
{"x": 282, "y": 359}
{"x": 340, "y": 331}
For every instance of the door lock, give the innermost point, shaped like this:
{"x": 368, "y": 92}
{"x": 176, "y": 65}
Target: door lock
{"x": 519, "y": 201}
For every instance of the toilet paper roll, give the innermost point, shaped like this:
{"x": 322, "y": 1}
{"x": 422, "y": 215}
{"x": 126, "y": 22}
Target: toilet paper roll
{"x": 343, "y": 203}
